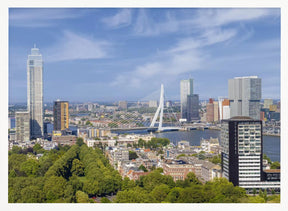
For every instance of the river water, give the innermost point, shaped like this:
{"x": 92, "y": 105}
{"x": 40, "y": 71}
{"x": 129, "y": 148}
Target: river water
{"x": 271, "y": 144}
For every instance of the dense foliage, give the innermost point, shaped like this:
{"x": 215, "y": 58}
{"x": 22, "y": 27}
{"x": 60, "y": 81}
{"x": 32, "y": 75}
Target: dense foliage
{"x": 70, "y": 174}
{"x": 77, "y": 174}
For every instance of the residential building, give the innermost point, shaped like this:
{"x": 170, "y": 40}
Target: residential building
{"x": 210, "y": 111}
{"x": 64, "y": 140}
{"x": 244, "y": 94}
{"x": 61, "y": 115}
{"x": 178, "y": 169}
{"x": 186, "y": 88}
{"x": 242, "y": 153}
{"x": 216, "y": 111}
{"x": 35, "y": 93}
{"x": 22, "y": 119}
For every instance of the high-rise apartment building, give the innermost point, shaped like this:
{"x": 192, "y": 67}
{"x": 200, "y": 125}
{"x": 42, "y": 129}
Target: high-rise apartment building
{"x": 244, "y": 94}
{"x": 210, "y": 111}
{"x": 216, "y": 111}
{"x": 61, "y": 115}
{"x": 35, "y": 92}
{"x": 193, "y": 107}
{"x": 186, "y": 88}
{"x": 22, "y": 126}
{"x": 241, "y": 142}
{"x": 242, "y": 154}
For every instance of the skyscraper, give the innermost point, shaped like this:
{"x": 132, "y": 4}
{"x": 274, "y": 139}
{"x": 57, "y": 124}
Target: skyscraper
{"x": 193, "y": 107}
{"x": 241, "y": 142}
{"x": 186, "y": 88}
{"x": 210, "y": 111}
{"x": 22, "y": 126}
{"x": 61, "y": 115}
{"x": 244, "y": 94}
{"x": 242, "y": 155}
{"x": 35, "y": 92}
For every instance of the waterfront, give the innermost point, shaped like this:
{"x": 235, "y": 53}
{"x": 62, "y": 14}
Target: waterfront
{"x": 271, "y": 144}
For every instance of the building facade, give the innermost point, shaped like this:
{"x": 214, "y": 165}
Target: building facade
{"x": 244, "y": 94}
{"x": 186, "y": 88}
{"x": 267, "y": 103}
{"x": 61, "y": 115}
{"x": 242, "y": 154}
{"x": 22, "y": 119}
{"x": 193, "y": 107}
{"x": 35, "y": 92}
{"x": 210, "y": 111}
{"x": 242, "y": 149}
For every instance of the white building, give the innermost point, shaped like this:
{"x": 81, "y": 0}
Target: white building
{"x": 35, "y": 92}
{"x": 244, "y": 94}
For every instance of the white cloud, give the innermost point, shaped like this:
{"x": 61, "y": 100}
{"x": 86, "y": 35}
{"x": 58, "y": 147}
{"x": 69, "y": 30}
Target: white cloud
{"x": 120, "y": 19}
{"x": 221, "y": 17}
{"x": 192, "y": 22}
{"x": 20, "y": 17}
{"x": 74, "y": 46}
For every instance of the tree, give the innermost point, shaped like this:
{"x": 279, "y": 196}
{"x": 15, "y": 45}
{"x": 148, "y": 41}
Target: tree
{"x": 265, "y": 157}
{"x": 77, "y": 167}
{"x": 30, "y": 167}
{"x": 54, "y": 188}
{"x": 132, "y": 155}
{"x": 79, "y": 142}
{"x": 159, "y": 193}
{"x": 37, "y": 149}
{"x": 143, "y": 168}
{"x": 275, "y": 165}
{"x": 105, "y": 200}
{"x": 174, "y": 194}
{"x": 82, "y": 197}
{"x": 32, "y": 194}
{"x": 192, "y": 194}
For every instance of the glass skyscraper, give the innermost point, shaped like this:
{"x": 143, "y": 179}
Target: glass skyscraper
{"x": 186, "y": 88}
{"x": 244, "y": 94}
{"x": 35, "y": 92}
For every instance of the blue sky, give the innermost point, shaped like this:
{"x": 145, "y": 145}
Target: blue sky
{"x": 125, "y": 54}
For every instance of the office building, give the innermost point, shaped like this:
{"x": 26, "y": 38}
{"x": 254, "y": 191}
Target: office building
{"x": 193, "y": 107}
{"x": 267, "y": 103}
{"x": 244, "y": 94}
{"x": 35, "y": 92}
{"x": 224, "y": 108}
{"x": 186, "y": 88}
{"x": 22, "y": 126}
{"x": 242, "y": 151}
{"x": 210, "y": 111}
{"x": 61, "y": 115}
{"x": 216, "y": 111}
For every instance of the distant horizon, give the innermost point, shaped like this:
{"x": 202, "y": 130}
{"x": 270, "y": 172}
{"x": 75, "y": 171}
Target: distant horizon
{"x": 128, "y": 101}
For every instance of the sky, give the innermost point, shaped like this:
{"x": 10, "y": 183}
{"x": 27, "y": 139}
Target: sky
{"x": 100, "y": 54}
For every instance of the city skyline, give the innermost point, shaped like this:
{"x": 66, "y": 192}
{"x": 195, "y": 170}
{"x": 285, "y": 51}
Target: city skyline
{"x": 134, "y": 50}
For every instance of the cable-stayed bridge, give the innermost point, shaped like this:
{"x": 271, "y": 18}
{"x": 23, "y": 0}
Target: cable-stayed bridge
{"x": 164, "y": 119}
